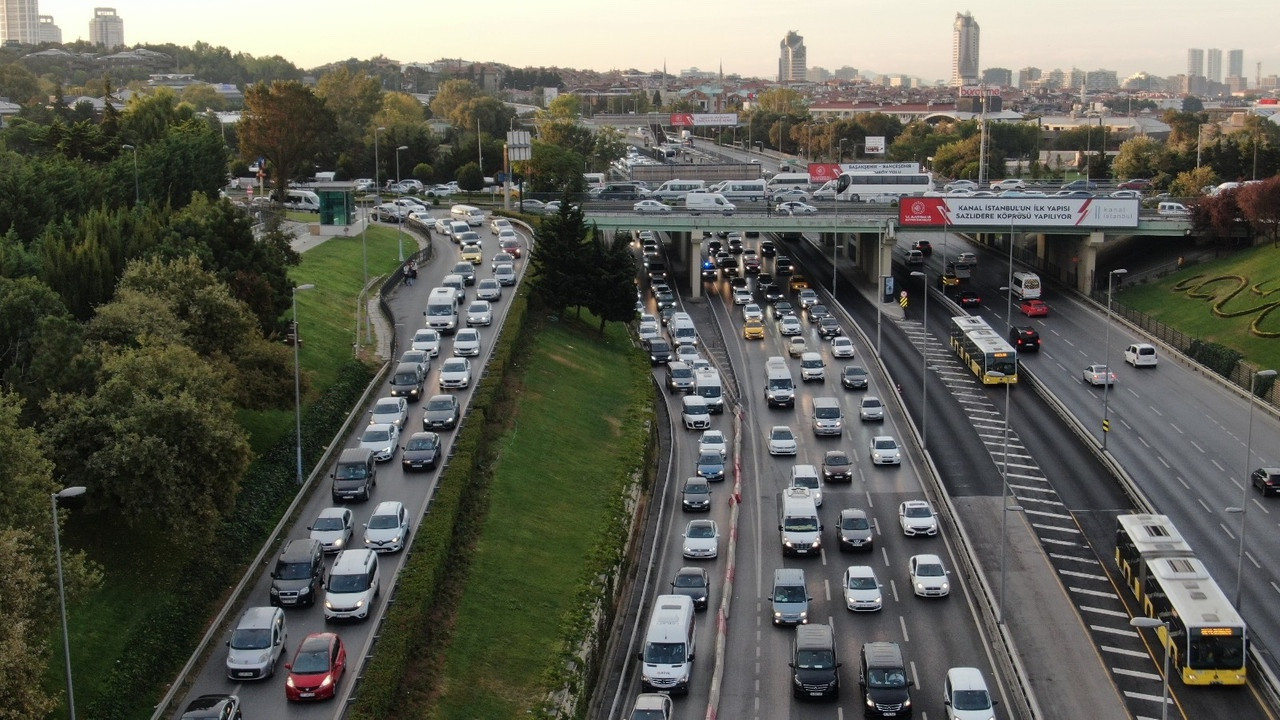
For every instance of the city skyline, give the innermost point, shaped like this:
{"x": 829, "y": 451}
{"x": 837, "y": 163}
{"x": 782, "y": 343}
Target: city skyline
{"x": 910, "y": 39}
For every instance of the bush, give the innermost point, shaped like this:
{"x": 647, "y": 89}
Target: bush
{"x": 1219, "y": 358}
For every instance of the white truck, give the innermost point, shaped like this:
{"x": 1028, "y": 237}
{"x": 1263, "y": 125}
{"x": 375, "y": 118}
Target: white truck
{"x": 699, "y": 202}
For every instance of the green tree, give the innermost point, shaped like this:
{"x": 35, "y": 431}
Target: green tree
{"x": 288, "y": 125}
{"x": 148, "y": 117}
{"x": 18, "y": 83}
{"x": 560, "y": 258}
{"x": 565, "y": 107}
{"x": 1191, "y": 182}
{"x": 784, "y": 101}
{"x": 610, "y": 145}
{"x": 353, "y": 98}
{"x": 470, "y": 178}
{"x": 554, "y": 169}
{"x": 612, "y": 282}
{"x": 24, "y": 302}
{"x": 1138, "y": 158}
{"x": 453, "y": 94}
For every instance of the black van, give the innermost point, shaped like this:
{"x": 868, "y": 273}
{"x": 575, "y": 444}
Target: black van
{"x": 407, "y": 381}
{"x": 355, "y": 475}
{"x": 298, "y": 576}
{"x": 883, "y": 681}
{"x": 815, "y": 668}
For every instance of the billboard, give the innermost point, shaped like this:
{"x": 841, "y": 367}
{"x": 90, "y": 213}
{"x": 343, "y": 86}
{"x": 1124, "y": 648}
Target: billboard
{"x": 822, "y": 172}
{"x": 875, "y": 145}
{"x": 703, "y": 119}
{"x": 819, "y": 173}
{"x": 1022, "y": 212}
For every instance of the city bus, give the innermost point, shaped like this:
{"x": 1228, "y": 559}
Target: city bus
{"x": 993, "y": 360}
{"x": 1205, "y": 637}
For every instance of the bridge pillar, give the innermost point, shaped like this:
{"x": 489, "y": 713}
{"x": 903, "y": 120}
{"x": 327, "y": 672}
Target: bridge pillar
{"x": 1086, "y": 260}
{"x": 684, "y": 246}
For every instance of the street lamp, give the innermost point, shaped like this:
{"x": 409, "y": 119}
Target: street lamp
{"x": 1146, "y": 622}
{"x": 297, "y": 377}
{"x": 924, "y": 363}
{"x": 400, "y": 235}
{"x": 1106, "y": 360}
{"x": 135, "y": 171}
{"x": 377, "y": 182}
{"x": 1244, "y": 485}
{"x": 73, "y": 491}
{"x": 1004, "y": 521}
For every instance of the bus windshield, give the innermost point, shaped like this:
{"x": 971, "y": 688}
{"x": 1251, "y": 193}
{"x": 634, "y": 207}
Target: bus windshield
{"x": 1215, "y": 653}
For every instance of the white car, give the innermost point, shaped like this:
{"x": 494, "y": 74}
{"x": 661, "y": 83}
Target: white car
{"x": 841, "y": 347}
{"x": 752, "y": 311}
{"x": 960, "y": 185}
{"x": 813, "y": 484}
{"x": 427, "y": 341}
{"x": 871, "y": 409}
{"x": 885, "y": 451}
{"x": 687, "y": 353}
{"x": 479, "y": 312}
{"x": 808, "y": 297}
{"x": 1009, "y": 184}
{"x": 488, "y": 289}
{"x": 455, "y": 373}
{"x": 701, "y": 539}
{"x": 332, "y": 528}
{"x": 651, "y": 207}
{"x": 498, "y": 224}
{"x": 505, "y": 274}
{"x": 382, "y": 439}
{"x": 917, "y": 518}
{"x": 741, "y": 296}
{"x": 794, "y": 194}
{"x": 862, "y": 589}
{"x": 1099, "y": 375}
{"x": 507, "y": 234}
{"x": 712, "y": 441}
{"x": 649, "y": 330}
{"x": 782, "y": 441}
{"x": 796, "y": 346}
{"x": 928, "y": 576}
{"x": 388, "y": 527}
{"x": 466, "y": 343}
{"x": 410, "y": 205}
{"x": 795, "y": 207}
{"x": 789, "y": 326}
{"x": 390, "y": 410}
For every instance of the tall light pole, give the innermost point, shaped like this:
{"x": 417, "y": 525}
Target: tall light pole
{"x": 1244, "y": 485}
{"x": 297, "y": 377}
{"x": 136, "y": 194}
{"x": 924, "y": 363}
{"x": 73, "y": 491}
{"x": 1106, "y": 361}
{"x": 1146, "y": 622}
{"x": 377, "y": 182}
{"x": 1199, "y": 128}
{"x": 400, "y": 235}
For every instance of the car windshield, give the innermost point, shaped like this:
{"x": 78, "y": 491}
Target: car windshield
{"x": 827, "y": 413}
{"x": 453, "y": 367}
{"x": 348, "y": 583}
{"x": 376, "y": 436}
{"x": 702, "y": 531}
{"x": 386, "y": 408}
{"x": 350, "y": 472}
{"x": 790, "y": 594}
{"x": 251, "y": 639}
{"x": 384, "y": 522}
{"x": 425, "y": 337}
{"x": 478, "y": 307}
{"x": 328, "y": 523}
{"x": 311, "y": 661}
{"x": 293, "y": 571}
{"x": 854, "y": 523}
{"x": 886, "y": 444}
{"x": 929, "y": 570}
{"x": 838, "y": 460}
{"x": 664, "y": 653}
{"x": 689, "y": 581}
{"x": 697, "y": 489}
{"x": 404, "y": 378}
{"x": 710, "y": 459}
{"x": 861, "y": 583}
{"x": 871, "y": 403}
{"x": 782, "y": 434}
{"x": 880, "y": 678}
{"x": 815, "y": 659}
{"x": 971, "y": 700}
{"x": 440, "y": 404}
{"x": 919, "y": 511}
{"x": 807, "y": 482}
{"x": 422, "y": 443}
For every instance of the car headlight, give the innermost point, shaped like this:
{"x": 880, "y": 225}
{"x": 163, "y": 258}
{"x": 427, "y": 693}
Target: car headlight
{"x": 871, "y": 703}
{"x": 787, "y": 542}
{"x": 359, "y": 604}
{"x": 795, "y": 679}
{"x": 946, "y": 587}
{"x": 289, "y": 681}
{"x": 777, "y": 615}
{"x": 804, "y": 617}
{"x": 817, "y": 544}
{"x": 306, "y": 590}
{"x": 327, "y": 681}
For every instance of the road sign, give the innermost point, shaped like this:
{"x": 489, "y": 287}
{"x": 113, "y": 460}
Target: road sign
{"x": 902, "y": 299}
{"x": 1106, "y": 426}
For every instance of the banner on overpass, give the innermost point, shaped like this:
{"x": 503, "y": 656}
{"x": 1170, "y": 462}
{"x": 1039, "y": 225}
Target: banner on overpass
{"x": 1022, "y": 212}
{"x": 703, "y": 119}
{"x": 822, "y": 172}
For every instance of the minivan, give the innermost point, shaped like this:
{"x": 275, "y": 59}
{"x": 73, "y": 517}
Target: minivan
{"x": 828, "y": 418}
{"x": 353, "y": 586}
{"x": 799, "y": 527}
{"x": 679, "y": 377}
{"x": 1140, "y": 355}
{"x": 1172, "y": 208}
{"x": 298, "y": 575}
{"x": 693, "y": 411}
{"x": 965, "y": 695}
{"x": 790, "y": 597}
{"x": 472, "y": 216}
{"x": 355, "y": 475}
{"x": 815, "y": 667}
{"x": 883, "y": 682}
{"x": 256, "y": 644}
{"x": 669, "y": 644}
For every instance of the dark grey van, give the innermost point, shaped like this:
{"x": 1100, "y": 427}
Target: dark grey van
{"x": 815, "y": 668}
{"x": 355, "y": 475}
{"x": 882, "y": 679}
{"x": 407, "y": 381}
{"x": 298, "y": 576}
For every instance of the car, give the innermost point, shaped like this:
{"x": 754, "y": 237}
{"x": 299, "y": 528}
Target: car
{"x": 388, "y": 528}
{"x": 1034, "y": 308}
{"x": 782, "y": 441}
{"x": 1267, "y": 480}
{"x": 317, "y": 668}
{"x": 687, "y": 353}
{"x": 472, "y": 254}
{"x": 752, "y": 311}
{"x": 436, "y": 191}
{"x": 421, "y": 358}
{"x": 701, "y": 539}
{"x": 489, "y": 289}
{"x": 772, "y": 292}
{"x": 853, "y": 377}
{"x": 1139, "y": 184}
{"x": 768, "y": 248}
{"x": 837, "y": 465}
{"x": 812, "y": 483}
{"x": 394, "y": 410}
{"x": 726, "y": 261}
{"x": 841, "y": 347}
{"x": 1099, "y": 375}
{"x": 442, "y": 412}
{"x": 443, "y": 226}
{"x": 383, "y": 439}
{"x": 510, "y": 244}
{"x": 751, "y": 262}
{"x": 709, "y": 271}
{"x": 924, "y": 246}
{"x": 789, "y": 326}
{"x": 1080, "y": 184}
{"x": 713, "y": 441}
{"x": 960, "y": 185}
{"x": 782, "y": 309}
{"x": 466, "y": 343}
{"x": 413, "y": 206}
{"x": 213, "y": 707}
{"x": 862, "y": 589}
{"x": 1127, "y": 194}
{"x": 829, "y": 327}
{"x": 782, "y": 266}
{"x": 739, "y": 283}
{"x": 499, "y": 224}
{"x": 387, "y": 212}
{"x": 532, "y": 207}
{"x": 713, "y": 246}
{"x": 1024, "y": 338}
{"x": 421, "y": 452}
{"x": 427, "y": 340}
{"x": 967, "y": 258}
{"x": 885, "y": 451}
{"x": 500, "y": 258}
{"x": 479, "y": 312}
{"x": 796, "y": 283}
{"x": 664, "y": 297}
{"x": 455, "y": 373}
{"x": 332, "y": 528}
{"x": 871, "y": 409}
{"x": 1009, "y": 184}
{"x": 256, "y": 643}
{"x": 741, "y": 296}
{"x": 790, "y": 195}
{"x": 796, "y": 346}
{"x": 753, "y": 330}
{"x": 795, "y": 207}
{"x": 917, "y": 518}
{"x": 659, "y": 351}
{"x": 467, "y": 271}
{"x": 693, "y": 583}
{"x": 651, "y": 207}
{"x": 807, "y": 297}
{"x": 649, "y": 329}
{"x": 928, "y": 576}
{"x": 735, "y": 243}
{"x": 505, "y": 274}
{"x": 695, "y": 495}
{"x": 969, "y": 299}
{"x": 1073, "y": 194}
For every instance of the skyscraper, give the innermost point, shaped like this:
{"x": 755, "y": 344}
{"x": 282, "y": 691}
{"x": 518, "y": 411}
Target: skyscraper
{"x": 791, "y": 63}
{"x": 1195, "y": 62}
{"x": 1235, "y": 63}
{"x": 19, "y": 21}
{"x": 49, "y": 31}
{"x": 1215, "y": 65}
{"x": 106, "y": 28}
{"x": 964, "y": 51}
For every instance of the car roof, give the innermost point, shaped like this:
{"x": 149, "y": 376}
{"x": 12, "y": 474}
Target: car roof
{"x": 927, "y": 558}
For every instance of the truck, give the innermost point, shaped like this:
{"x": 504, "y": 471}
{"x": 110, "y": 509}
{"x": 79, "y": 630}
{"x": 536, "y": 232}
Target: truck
{"x": 700, "y": 202}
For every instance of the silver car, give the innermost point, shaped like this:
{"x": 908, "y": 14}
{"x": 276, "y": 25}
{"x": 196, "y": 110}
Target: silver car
{"x": 427, "y": 340}
{"x": 392, "y": 410}
{"x": 382, "y": 439}
{"x": 466, "y": 343}
{"x": 871, "y": 409}
{"x": 489, "y": 289}
{"x": 388, "y": 528}
{"x": 505, "y": 274}
{"x": 455, "y": 373}
{"x": 256, "y": 644}
{"x": 333, "y": 527}
{"x": 479, "y": 312}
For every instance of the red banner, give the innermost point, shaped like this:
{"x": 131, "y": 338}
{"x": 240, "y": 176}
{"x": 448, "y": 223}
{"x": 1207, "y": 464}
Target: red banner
{"x": 819, "y": 173}
{"x": 1023, "y": 212}
{"x": 679, "y": 119}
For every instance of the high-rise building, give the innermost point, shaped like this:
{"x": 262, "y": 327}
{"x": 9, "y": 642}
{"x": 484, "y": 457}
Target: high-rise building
{"x": 1235, "y": 63}
{"x": 1195, "y": 62}
{"x": 1027, "y": 77}
{"x": 48, "y": 31}
{"x": 1214, "y": 72}
{"x": 1101, "y": 81}
{"x": 964, "y": 51}
{"x": 19, "y": 22}
{"x": 998, "y": 77}
{"x": 791, "y": 62}
{"x": 106, "y": 28}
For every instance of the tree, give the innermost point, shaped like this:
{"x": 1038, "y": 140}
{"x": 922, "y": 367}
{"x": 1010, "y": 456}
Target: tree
{"x": 288, "y": 125}
{"x": 470, "y": 177}
{"x": 565, "y": 107}
{"x": 353, "y": 98}
{"x": 1260, "y": 203}
{"x": 148, "y": 117}
{"x": 451, "y": 96}
{"x": 559, "y": 259}
{"x": 783, "y": 101}
{"x": 1137, "y": 158}
{"x": 613, "y": 297}
{"x": 24, "y": 302}
{"x": 568, "y": 135}
{"x": 1192, "y": 182}
{"x": 555, "y": 169}
{"x": 610, "y": 145}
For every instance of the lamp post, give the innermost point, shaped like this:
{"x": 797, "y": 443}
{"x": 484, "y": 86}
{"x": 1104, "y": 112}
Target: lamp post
{"x": 1004, "y": 522}
{"x": 377, "y": 184}
{"x": 1146, "y": 622}
{"x": 1244, "y": 485}
{"x": 73, "y": 491}
{"x": 135, "y": 171}
{"x": 1106, "y": 361}
{"x": 1199, "y": 128}
{"x": 297, "y": 378}
{"x": 924, "y": 363}
{"x": 400, "y": 235}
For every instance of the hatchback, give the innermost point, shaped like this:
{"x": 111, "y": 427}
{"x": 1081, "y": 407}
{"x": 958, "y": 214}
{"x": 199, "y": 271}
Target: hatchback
{"x": 782, "y": 441}
{"x": 854, "y": 530}
{"x": 841, "y": 347}
{"x": 695, "y": 496}
{"x": 885, "y": 451}
{"x": 317, "y": 668}
{"x": 917, "y": 518}
{"x": 871, "y": 409}
{"x": 332, "y": 528}
{"x": 928, "y": 576}
{"x": 479, "y": 312}
{"x": 422, "y": 452}
{"x": 1267, "y": 480}
{"x": 388, "y": 527}
{"x": 383, "y": 439}
{"x": 426, "y": 340}
{"x": 853, "y": 377}
{"x": 466, "y": 343}
{"x": 862, "y": 589}
{"x": 694, "y": 583}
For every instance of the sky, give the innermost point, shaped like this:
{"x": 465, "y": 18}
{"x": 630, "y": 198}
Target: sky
{"x": 911, "y": 37}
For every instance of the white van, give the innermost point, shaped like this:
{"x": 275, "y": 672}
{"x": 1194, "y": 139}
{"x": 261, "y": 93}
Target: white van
{"x": 779, "y": 387}
{"x": 1026, "y": 285}
{"x": 828, "y": 419}
{"x": 353, "y": 585}
{"x": 302, "y": 200}
{"x": 799, "y": 526}
{"x": 799, "y": 180}
{"x": 700, "y": 202}
{"x": 677, "y": 189}
{"x": 706, "y": 385}
{"x": 740, "y": 190}
{"x": 682, "y": 330}
{"x": 669, "y": 646}
{"x": 1140, "y": 355}
{"x": 1172, "y": 208}
{"x": 442, "y": 310}
{"x": 469, "y": 214}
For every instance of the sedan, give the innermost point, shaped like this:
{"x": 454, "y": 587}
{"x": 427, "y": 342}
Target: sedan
{"x": 783, "y": 309}
{"x": 841, "y": 347}
{"x": 455, "y": 373}
{"x": 695, "y": 496}
{"x": 505, "y": 274}
{"x": 752, "y": 311}
{"x": 694, "y": 583}
{"x": 917, "y": 518}
{"x": 500, "y": 258}
{"x": 466, "y": 343}
{"x": 479, "y": 312}
{"x": 871, "y": 409}
{"x": 969, "y": 299}
{"x": 837, "y": 465}
{"x": 472, "y": 254}
{"x": 701, "y": 539}
{"x": 213, "y": 707}
{"x": 421, "y": 358}
{"x": 829, "y": 327}
{"x": 332, "y": 528}
{"x": 317, "y": 668}
{"x": 710, "y": 466}
{"x": 741, "y": 296}
{"x": 427, "y": 340}
{"x": 960, "y": 185}
{"x": 782, "y": 441}
{"x": 393, "y": 410}
{"x": 651, "y": 207}
{"x": 1034, "y": 308}
{"x": 853, "y": 377}
{"x": 862, "y": 589}
{"x": 796, "y": 346}
{"x": 753, "y": 330}
{"x": 510, "y": 246}
{"x": 1009, "y": 184}
{"x": 790, "y": 195}
{"x": 1099, "y": 375}
{"x": 532, "y": 207}
{"x": 388, "y": 527}
{"x": 422, "y": 452}
{"x": 1024, "y": 339}
{"x": 807, "y": 297}
{"x": 467, "y": 271}
{"x": 795, "y": 207}
{"x": 1138, "y": 184}
{"x": 382, "y": 439}
{"x": 442, "y": 411}
{"x": 713, "y": 441}
{"x": 885, "y": 451}
{"x": 928, "y": 576}
{"x": 789, "y": 326}
{"x": 489, "y": 289}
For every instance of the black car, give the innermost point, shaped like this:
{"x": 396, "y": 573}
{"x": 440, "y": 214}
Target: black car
{"x": 773, "y": 294}
{"x": 735, "y": 245}
{"x": 696, "y": 495}
{"x": 709, "y": 271}
{"x": 1267, "y": 480}
{"x": 441, "y": 412}
{"x": 853, "y": 377}
{"x": 782, "y": 308}
{"x": 854, "y": 530}
{"x": 768, "y": 249}
{"x": 726, "y": 261}
{"x": 713, "y": 247}
{"x": 693, "y": 582}
{"x": 969, "y": 299}
{"x": 711, "y": 466}
{"x": 738, "y": 282}
{"x": 213, "y": 707}
{"x": 1024, "y": 338}
{"x": 659, "y": 351}
{"x": 814, "y": 313}
{"x": 422, "y": 452}
{"x": 829, "y": 327}
{"x": 837, "y": 466}
{"x": 782, "y": 266}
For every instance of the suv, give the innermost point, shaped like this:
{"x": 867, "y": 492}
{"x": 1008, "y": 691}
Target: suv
{"x": 1267, "y": 480}
{"x": 298, "y": 576}
{"x": 882, "y": 680}
{"x": 815, "y": 668}
{"x": 1024, "y": 338}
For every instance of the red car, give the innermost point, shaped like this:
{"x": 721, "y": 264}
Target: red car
{"x": 1139, "y": 184}
{"x": 317, "y": 668}
{"x": 1034, "y": 308}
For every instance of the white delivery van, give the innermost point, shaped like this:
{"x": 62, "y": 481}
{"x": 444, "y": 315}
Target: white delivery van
{"x": 799, "y": 526}
{"x": 442, "y": 310}
{"x": 744, "y": 190}
{"x": 1140, "y": 355}
{"x": 682, "y": 330}
{"x": 302, "y": 200}
{"x": 669, "y": 645}
{"x": 779, "y": 387}
{"x": 469, "y": 214}
{"x": 1172, "y": 208}
{"x": 677, "y": 189}
{"x": 699, "y": 202}
{"x": 706, "y": 385}
{"x": 783, "y": 180}
{"x": 1026, "y": 285}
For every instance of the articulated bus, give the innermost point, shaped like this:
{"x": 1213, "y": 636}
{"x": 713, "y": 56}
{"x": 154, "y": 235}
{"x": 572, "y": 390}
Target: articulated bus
{"x": 993, "y": 360}
{"x": 1205, "y": 636}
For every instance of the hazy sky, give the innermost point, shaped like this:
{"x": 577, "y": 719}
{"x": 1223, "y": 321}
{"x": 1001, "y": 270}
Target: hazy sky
{"x": 911, "y": 37}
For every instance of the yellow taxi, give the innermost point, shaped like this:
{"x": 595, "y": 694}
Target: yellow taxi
{"x": 753, "y": 330}
{"x": 798, "y": 283}
{"x": 472, "y": 254}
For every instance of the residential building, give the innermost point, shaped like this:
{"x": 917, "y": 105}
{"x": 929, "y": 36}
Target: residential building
{"x": 1195, "y": 62}
{"x": 1214, "y": 72}
{"x": 19, "y": 22}
{"x": 847, "y": 73}
{"x": 1028, "y": 77}
{"x": 106, "y": 28}
{"x": 792, "y": 67}
{"x": 48, "y": 31}
{"x": 998, "y": 77}
{"x": 964, "y": 51}
{"x": 1101, "y": 81}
